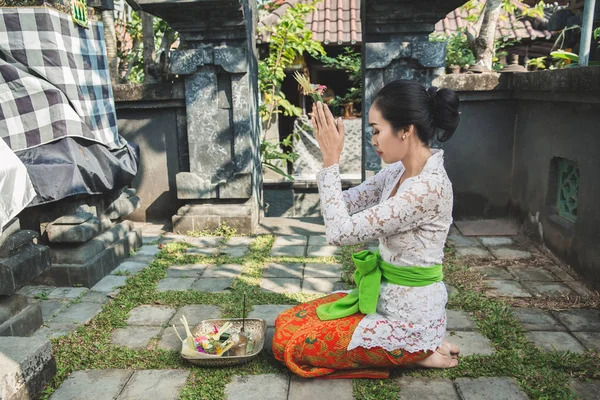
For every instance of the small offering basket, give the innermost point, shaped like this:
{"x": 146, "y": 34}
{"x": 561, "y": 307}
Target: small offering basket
{"x": 252, "y": 329}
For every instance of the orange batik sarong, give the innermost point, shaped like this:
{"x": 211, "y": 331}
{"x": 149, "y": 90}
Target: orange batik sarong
{"x": 313, "y": 348}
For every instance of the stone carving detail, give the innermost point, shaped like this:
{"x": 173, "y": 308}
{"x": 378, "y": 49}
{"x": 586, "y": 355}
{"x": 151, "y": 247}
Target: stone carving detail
{"x": 217, "y": 60}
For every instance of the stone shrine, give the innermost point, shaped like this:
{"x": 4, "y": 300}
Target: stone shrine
{"x": 217, "y": 58}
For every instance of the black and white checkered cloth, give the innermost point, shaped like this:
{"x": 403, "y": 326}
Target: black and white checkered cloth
{"x": 54, "y": 80}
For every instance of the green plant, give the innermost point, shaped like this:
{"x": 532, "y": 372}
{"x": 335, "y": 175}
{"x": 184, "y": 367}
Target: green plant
{"x": 567, "y": 59}
{"x": 130, "y": 46}
{"x": 289, "y": 39}
{"x": 501, "y": 46}
{"x": 350, "y": 61}
{"x": 223, "y": 230}
{"x": 537, "y": 63}
{"x": 482, "y": 18}
{"x": 271, "y": 153}
{"x": 43, "y": 295}
{"x": 122, "y": 272}
{"x": 458, "y": 51}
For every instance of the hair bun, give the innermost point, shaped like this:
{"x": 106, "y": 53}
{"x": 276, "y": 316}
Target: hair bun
{"x": 445, "y": 111}
{"x": 432, "y": 111}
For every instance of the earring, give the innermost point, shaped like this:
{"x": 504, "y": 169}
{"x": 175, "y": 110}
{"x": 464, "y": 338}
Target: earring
{"x": 403, "y": 137}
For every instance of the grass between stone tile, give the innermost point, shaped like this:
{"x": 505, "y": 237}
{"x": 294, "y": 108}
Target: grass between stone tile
{"x": 541, "y": 375}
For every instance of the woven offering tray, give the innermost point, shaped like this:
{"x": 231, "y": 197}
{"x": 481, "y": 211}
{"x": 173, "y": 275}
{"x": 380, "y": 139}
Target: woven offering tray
{"x": 254, "y": 328}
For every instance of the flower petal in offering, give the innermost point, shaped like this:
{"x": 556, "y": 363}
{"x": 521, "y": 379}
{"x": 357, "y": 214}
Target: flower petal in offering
{"x": 222, "y": 342}
{"x": 206, "y": 344}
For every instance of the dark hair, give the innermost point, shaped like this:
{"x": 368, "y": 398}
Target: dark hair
{"x": 433, "y": 111}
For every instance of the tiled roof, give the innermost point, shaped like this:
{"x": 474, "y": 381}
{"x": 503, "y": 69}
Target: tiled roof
{"x": 333, "y": 21}
{"x": 337, "y": 22}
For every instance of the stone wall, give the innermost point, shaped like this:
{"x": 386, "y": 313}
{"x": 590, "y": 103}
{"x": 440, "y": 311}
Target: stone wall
{"x": 504, "y": 158}
{"x": 479, "y": 156}
{"x": 560, "y": 121}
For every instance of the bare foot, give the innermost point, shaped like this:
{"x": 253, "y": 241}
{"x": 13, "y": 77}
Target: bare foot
{"x": 446, "y": 349}
{"x": 451, "y": 347}
{"x": 438, "y": 360}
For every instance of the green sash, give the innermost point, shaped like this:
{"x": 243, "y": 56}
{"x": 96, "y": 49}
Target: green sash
{"x": 370, "y": 270}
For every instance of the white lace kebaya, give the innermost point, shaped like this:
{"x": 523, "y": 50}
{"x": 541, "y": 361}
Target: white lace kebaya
{"x": 412, "y": 227}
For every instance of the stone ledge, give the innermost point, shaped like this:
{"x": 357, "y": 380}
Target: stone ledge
{"x": 23, "y": 266}
{"x": 24, "y": 323}
{"x": 64, "y": 254}
{"x": 242, "y": 216}
{"x": 26, "y": 367}
{"x": 473, "y": 82}
{"x": 153, "y": 91}
{"x": 11, "y": 306}
{"x": 575, "y": 80}
{"x": 585, "y": 79}
{"x": 92, "y": 271}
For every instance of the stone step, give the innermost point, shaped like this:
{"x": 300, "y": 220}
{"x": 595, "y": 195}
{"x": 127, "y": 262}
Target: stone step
{"x": 25, "y": 323}
{"x": 20, "y": 268}
{"x": 26, "y": 366}
{"x": 82, "y": 253}
{"x": 13, "y": 226}
{"x": 11, "y": 306}
{"x": 16, "y": 241}
{"x": 93, "y": 270}
{"x": 77, "y": 228}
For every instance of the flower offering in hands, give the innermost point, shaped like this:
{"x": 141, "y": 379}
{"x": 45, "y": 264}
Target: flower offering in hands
{"x": 315, "y": 91}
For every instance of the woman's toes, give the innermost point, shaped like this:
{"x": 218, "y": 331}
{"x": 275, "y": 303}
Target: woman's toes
{"x": 438, "y": 360}
{"x": 454, "y": 349}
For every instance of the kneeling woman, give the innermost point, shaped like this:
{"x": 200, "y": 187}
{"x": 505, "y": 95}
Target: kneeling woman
{"x": 397, "y": 314}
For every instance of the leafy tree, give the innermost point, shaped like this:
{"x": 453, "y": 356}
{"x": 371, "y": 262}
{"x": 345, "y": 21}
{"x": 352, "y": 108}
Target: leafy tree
{"x": 483, "y": 22}
{"x": 130, "y": 48}
{"x": 289, "y": 39}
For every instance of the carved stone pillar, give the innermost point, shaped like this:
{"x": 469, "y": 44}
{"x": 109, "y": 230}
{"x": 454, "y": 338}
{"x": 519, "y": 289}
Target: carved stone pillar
{"x": 396, "y": 46}
{"x": 217, "y": 58}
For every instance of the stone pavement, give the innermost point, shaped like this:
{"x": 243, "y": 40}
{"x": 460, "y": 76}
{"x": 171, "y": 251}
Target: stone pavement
{"x": 299, "y": 262}
{"x": 286, "y": 387}
{"x": 512, "y": 268}
{"x": 65, "y": 308}
{"x": 122, "y": 384}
